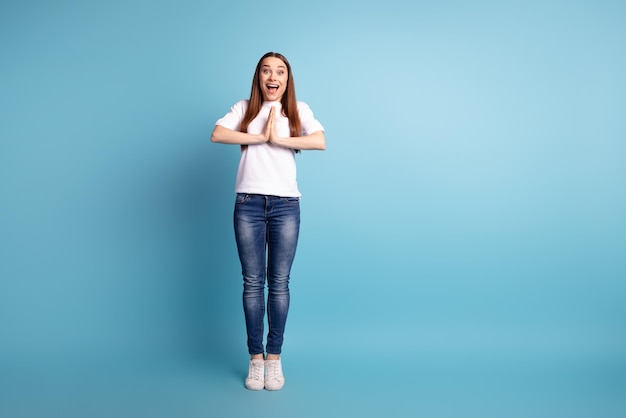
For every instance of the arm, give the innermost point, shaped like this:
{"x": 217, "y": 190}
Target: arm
{"x": 224, "y": 135}
{"x": 315, "y": 141}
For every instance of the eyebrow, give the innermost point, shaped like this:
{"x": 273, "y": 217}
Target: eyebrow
{"x": 280, "y": 66}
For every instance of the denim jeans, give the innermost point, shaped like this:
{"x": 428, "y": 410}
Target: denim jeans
{"x": 266, "y": 231}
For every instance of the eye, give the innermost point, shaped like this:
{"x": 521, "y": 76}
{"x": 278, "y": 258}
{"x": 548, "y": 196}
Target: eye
{"x": 281, "y": 72}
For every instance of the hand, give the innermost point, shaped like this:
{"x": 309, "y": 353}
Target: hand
{"x": 269, "y": 125}
{"x": 271, "y": 129}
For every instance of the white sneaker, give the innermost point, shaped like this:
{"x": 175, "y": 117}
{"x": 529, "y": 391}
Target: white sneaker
{"x": 274, "y": 379}
{"x": 256, "y": 370}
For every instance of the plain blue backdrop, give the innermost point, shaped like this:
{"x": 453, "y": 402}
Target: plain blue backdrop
{"x": 463, "y": 235}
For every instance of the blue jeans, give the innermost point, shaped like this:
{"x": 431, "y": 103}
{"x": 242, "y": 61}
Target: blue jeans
{"x": 266, "y": 231}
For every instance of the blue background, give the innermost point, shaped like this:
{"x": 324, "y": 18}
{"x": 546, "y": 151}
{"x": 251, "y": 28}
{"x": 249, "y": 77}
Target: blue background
{"x": 463, "y": 236}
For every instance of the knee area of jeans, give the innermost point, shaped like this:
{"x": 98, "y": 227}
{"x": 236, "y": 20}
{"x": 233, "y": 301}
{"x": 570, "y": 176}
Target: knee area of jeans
{"x": 276, "y": 286}
{"x": 254, "y": 280}
{"x": 253, "y": 291}
{"x": 279, "y": 295}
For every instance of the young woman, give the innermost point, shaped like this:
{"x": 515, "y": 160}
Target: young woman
{"x": 270, "y": 127}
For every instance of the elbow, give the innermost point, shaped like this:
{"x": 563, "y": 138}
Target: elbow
{"x": 214, "y": 137}
{"x": 322, "y": 143}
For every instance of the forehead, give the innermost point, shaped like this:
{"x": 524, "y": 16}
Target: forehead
{"x": 273, "y": 62}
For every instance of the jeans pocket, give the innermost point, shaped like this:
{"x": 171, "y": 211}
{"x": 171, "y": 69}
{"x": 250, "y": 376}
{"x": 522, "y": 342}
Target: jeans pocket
{"x": 290, "y": 200}
{"x": 241, "y": 198}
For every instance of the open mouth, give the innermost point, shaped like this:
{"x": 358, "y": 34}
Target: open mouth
{"x": 272, "y": 88}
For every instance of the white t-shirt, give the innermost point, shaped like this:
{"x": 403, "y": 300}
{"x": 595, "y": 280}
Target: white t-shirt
{"x": 267, "y": 168}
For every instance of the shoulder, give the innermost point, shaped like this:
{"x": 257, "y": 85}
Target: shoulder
{"x": 304, "y": 109}
{"x": 241, "y": 105}
{"x": 238, "y": 109}
{"x": 302, "y": 105}
{"x": 233, "y": 117}
{"x": 309, "y": 123}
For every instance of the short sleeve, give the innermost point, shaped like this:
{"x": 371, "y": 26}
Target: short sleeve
{"x": 307, "y": 119}
{"x": 232, "y": 119}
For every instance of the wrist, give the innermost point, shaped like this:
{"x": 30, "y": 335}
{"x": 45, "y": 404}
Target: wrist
{"x": 280, "y": 141}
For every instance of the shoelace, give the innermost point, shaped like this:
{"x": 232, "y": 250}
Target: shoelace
{"x": 256, "y": 372}
{"x": 273, "y": 371}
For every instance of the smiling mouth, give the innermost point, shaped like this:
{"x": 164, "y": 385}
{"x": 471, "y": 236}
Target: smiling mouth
{"x": 272, "y": 88}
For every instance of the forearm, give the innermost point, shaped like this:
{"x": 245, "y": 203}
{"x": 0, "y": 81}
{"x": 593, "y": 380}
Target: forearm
{"x": 315, "y": 141}
{"x": 224, "y": 135}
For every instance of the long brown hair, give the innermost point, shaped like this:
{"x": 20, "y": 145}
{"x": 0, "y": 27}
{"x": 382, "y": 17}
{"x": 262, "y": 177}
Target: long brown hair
{"x": 288, "y": 101}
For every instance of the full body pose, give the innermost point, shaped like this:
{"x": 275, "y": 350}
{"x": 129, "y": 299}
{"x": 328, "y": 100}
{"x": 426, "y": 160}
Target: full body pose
{"x": 270, "y": 127}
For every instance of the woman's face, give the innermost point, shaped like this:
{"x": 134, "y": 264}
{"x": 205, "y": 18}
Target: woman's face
{"x": 273, "y": 78}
